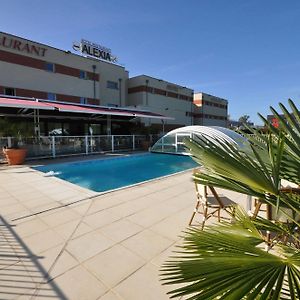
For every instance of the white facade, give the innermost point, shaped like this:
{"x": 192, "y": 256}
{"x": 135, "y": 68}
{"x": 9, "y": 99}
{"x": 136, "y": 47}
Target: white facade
{"x": 163, "y": 97}
{"x": 210, "y": 110}
{"x": 26, "y": 70}
{"x": 32, "y": 69}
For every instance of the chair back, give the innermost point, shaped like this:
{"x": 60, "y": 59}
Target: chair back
{"x": 201, "y": 191}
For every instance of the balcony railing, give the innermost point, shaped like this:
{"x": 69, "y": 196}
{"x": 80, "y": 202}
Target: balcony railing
{"x": 57, "y": 146}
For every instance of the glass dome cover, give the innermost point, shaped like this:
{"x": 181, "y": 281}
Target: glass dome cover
{"x": 172, "y": 142}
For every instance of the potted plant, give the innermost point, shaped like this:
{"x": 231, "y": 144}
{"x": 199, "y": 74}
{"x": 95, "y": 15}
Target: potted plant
{"x": 14, "y": 152}
{"x": 15, "y": 155}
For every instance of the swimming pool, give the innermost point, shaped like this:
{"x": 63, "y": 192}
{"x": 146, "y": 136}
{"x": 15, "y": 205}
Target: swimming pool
{"x": 112, "y": 173}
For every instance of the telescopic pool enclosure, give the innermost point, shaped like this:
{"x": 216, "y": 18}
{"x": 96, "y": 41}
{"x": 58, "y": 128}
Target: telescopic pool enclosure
{"x": 173, "y": 143}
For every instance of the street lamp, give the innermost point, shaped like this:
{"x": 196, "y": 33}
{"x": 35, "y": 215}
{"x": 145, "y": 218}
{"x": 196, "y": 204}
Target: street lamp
{"x": 120, "y": 91}
{"x": 147, "y": 83}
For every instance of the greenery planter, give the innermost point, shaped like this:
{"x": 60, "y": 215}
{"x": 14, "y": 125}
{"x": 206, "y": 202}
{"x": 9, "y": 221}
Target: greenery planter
{"x": 15, "y": 156}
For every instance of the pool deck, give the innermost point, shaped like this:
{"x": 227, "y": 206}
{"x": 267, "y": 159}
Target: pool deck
{"x": 61, "y": 241}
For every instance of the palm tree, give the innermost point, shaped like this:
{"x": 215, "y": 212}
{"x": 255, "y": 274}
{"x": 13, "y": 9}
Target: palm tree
{"x": 240, "y": 261}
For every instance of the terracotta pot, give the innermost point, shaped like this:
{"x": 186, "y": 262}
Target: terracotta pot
{"x": 15, "y": 156}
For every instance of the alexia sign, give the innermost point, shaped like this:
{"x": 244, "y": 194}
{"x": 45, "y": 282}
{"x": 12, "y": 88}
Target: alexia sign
{"x": 95, "y": 50}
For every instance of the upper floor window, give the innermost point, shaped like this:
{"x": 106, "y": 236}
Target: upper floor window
{"x": 50, "y": 67}
{"x": 51, "y": 96}
{"x": 112, "y": 85}
{"x": 82, "y": 74}
{"x": 9, "y": 91}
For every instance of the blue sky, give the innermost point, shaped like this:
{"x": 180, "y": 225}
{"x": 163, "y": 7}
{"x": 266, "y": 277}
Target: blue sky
{"x": 247, "y": 51}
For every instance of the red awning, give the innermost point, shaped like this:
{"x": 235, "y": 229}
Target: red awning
{"x": 21, "y": 103}
{"x": 12, "y": 102}
{"x": 89, "y": 110}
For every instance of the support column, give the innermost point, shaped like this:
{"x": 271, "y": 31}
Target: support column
{"x": 108, "y": 125}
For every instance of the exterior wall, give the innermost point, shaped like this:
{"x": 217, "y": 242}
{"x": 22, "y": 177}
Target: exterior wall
{"x": 23, "y": 67}
{"x": 210, "y": 110}
{"x": 162, "y": 97}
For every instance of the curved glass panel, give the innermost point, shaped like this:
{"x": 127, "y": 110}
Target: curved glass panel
{"x": 172, "y": 142}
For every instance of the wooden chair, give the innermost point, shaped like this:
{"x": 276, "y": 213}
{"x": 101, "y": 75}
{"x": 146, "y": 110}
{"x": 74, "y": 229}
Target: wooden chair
{"x": 210, "y": 204}
{"x": 270, "y": 211}
{"x": 275, "y": 216}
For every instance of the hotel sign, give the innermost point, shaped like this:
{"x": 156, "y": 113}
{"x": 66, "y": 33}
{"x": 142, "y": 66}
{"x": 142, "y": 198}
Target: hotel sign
{"x": 95, "y": 50}
{"x": 21, "y": 45}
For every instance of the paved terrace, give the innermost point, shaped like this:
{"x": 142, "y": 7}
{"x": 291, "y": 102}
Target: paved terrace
{"x": 61, "y": 241}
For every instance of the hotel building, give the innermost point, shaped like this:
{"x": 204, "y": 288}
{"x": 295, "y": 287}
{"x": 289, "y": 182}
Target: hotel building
{"x": 210, "y": 110}
{"x": 162, "y": 97}
{"x": 93, "y": 80}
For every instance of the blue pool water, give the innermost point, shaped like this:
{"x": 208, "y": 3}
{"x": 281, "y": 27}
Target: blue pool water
{"x": 108, "y": 174}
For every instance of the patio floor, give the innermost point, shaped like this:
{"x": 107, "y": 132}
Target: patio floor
{"x": 61, "y": 241}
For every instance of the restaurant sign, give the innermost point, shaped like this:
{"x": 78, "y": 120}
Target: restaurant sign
{"x": 94, "y": 50}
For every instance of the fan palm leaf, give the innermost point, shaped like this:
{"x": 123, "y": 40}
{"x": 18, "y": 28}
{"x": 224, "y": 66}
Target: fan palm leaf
{"x": 228, "y": 262}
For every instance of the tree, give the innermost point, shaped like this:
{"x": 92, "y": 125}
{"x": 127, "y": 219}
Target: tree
{"x": 244, "y": 119}
{"x": 239, "y": 261}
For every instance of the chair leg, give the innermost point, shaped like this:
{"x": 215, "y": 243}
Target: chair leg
{"x": 219, "y": 215}
{"x": 257, "y": 208}
{"x": 192, "y": 217}
{"x": 205, "y": 210}
{"x": 194, "y": 212}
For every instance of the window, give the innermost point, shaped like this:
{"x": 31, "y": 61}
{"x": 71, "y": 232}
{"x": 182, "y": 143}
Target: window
{"x": 112, "y": 85}
{"x": 9, "y": 91}
{"x": 51, "y": 96}
{"x": 82, "y": 74}
{"x": 49, "y": 67}
{"x": 83, "y": 100}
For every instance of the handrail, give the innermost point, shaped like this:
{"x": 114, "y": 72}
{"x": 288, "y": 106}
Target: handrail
{"x": 61, "y": 145}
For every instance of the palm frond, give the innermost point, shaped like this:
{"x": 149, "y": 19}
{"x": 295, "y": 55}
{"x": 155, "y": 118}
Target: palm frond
{"x": 228, "y": 262}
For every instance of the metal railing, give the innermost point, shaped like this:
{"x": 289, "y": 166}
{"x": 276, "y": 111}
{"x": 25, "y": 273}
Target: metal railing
{"x": 57, "y": 146}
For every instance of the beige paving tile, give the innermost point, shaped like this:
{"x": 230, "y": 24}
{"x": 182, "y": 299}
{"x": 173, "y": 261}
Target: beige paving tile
{"x": 36, "y": 201}
{"x": 29, "y": 227}
{"x": 43, "y": 292}
{"x": 13, "y": 208}
{"x": 42, "y": 241}
{"x": 162, "y": 257}
{"x": 100, "y": 219}
{"x": 72, "y": 229}
{"x": 153, "y": 214}
{"x": 15, "y": 281}
{"x": 17, "y": 215}
{"x": 173, "y": 226}
{"x": 88, "y": 245}
{"x": 6, "y": 199}
{"x": 111, "y": 296}
{"x": 56, "y": 262}
{"x": 147, "y": 244}
{"x": 168, "y": 228}
{"x": 115, "y": 258}
{"x": 120, "y": 230}
{"x": 105, "y": 201}
{"x": 73, "y": 199}
{"x": 47, "y": 207}
{"x": 60, "y": 216}
{"x": 133, "y": 206}
{"x": 81, "y": 207}
{"x": 143, "y": 284}
{"x": 79, "y": 284}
